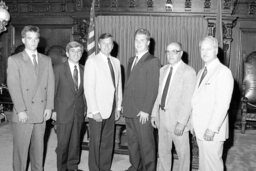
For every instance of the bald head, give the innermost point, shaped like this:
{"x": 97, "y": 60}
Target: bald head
{"x": 174, "y": 52}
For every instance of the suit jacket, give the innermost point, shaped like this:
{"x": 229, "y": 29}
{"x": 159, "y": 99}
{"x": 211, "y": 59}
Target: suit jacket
{"x": 210, "y": 101}
{"x": 68, "y": 102}
{"x": 31, "y": 91}
{"x": 99, "y": 89}
{"x": 178, "y": 102}
{"x": 141, "y": 86}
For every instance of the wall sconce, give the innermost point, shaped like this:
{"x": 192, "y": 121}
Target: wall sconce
{"x": 4, "y": 16}
{"x": 169, "y": 5}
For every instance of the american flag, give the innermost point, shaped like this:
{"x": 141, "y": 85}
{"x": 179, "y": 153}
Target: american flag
{"x": 91, "y": 33}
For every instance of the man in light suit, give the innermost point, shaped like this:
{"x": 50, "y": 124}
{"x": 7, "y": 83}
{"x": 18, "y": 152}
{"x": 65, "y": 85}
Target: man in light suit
{"x": 103, "y": 92}
{"x": 69, "y": 106}
{"x": 172, "y": 109}
{"x": 210, "y": 104}
{"x": 30, "y": 81}
{"x": 139, "y": 96}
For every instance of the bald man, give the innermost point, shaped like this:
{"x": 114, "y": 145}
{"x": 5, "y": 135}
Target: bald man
{"x": 210, "y": 104}
{"x": 172, "y": 109}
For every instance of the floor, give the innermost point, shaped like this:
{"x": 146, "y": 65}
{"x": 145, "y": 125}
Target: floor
{"x": 240, "y": 152}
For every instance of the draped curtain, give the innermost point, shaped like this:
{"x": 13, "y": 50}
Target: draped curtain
{"x": 164, "y": 30}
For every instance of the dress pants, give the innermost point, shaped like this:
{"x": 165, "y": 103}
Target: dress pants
{"x": 141, "y": 145}
{"x": 28, "y": 138}
{"x": 101, "y": 143}
{"x": 210, "y": 155}
{"x": 165, "y": 146}
{"x": 69, "y": 145}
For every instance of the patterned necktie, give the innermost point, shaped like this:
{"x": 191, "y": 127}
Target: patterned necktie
{"x": 135, "y": 62}
{"x": 75, "y": 77}
{"x": 165, "y": 91}
{"x": 111, "y": 71}
{"x": 34, "y": 61}
{"x": 203, "y": 75}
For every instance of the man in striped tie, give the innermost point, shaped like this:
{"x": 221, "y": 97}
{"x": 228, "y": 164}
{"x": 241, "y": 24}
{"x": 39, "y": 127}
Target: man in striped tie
{"x": 70, "y": 107}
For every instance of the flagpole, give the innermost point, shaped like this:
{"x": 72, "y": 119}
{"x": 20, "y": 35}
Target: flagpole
{"x": 91, "y": 32}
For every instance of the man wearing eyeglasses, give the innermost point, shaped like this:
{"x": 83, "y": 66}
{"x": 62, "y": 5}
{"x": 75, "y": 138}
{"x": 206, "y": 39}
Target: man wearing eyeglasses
{"x": 172, "y": 109}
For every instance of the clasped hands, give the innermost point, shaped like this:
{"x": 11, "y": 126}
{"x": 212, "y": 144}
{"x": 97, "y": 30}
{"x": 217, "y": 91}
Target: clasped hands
{"x": 23, "y": 116}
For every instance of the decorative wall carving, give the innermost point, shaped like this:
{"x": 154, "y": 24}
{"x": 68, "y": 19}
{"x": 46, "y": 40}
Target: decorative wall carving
{"x": 80, "y": 30}
{"x": 207, "y": 4}
{"x": 132, "y": 3}
{"x": 227, "y": 4}
{"x": 227, "y": 26}
{"x": 188, "y": 4}
{"x": 114, "y": 4}
{"x": 252, "y": 8}
{"x": 150, "y": 3}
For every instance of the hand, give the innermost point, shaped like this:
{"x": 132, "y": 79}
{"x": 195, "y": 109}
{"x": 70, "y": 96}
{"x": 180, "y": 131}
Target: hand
{"x": 117, "y": 115}
{"x": 155, "y": 122}
{"x": 143, "y": 117}
{"x": 97, "y": 117}
{"x": 47, "y": 114}
{"x": 23, "y": 117}
{"x": 208, "y": 135}
{"x": 54, "y": 116}
{"x": 179, "y": 128}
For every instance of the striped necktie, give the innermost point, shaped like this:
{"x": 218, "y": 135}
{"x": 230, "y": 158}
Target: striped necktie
{"x": 165, "y": 91}
{"x": 34, "y": 61}
{"x": 75, "y": 77}
{"x": 203, "y": 75}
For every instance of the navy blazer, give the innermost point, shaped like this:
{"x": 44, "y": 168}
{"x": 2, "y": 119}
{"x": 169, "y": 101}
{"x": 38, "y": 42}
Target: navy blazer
{"x": 141, "y": 86}
{"x": 68, "y": 103}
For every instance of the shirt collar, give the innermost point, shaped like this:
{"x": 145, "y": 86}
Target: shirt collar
{"x": 212, "y": 64}
{"x": 72, "y": 64}
{"x": 30, "y": 53}
{"x": 176, "y": 65}
{"x": 141, "y": 54}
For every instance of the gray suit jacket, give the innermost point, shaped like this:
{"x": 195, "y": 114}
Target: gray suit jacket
{"x": 141, "y": 86}
{"x": 31, "y": 91}
{"x": 178, "y": 102}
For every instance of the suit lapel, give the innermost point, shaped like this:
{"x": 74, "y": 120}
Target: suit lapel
{"x": 137, "y": 66}
{"x": 176, "y": 80}
{"x": 36, "y": 75}
{"x": 208, "y": 76}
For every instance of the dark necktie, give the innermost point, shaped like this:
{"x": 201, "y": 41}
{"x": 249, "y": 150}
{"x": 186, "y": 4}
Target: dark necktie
{"x": 135, "y": 62}
{"x": 111, "y": 71}
{"x": 34, "y": 61}
{"x": 75, "y": 77}
{"x": 203, "y": 75}
{"x": 165, "y": 91}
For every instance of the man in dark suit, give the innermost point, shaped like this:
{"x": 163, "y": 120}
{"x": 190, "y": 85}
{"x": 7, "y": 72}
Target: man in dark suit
{"x": 139, "y": 96}
{"x": 69, "y": 107}
{"x": 30, "y": 81}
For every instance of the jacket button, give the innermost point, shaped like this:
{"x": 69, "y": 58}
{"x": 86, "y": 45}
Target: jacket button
{"x": 42, "y": 101}
{"x": 32, "y": 102}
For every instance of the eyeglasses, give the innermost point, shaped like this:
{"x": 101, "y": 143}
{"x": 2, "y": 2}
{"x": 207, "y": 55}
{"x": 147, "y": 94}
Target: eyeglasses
{"x": 172, "y": 51}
